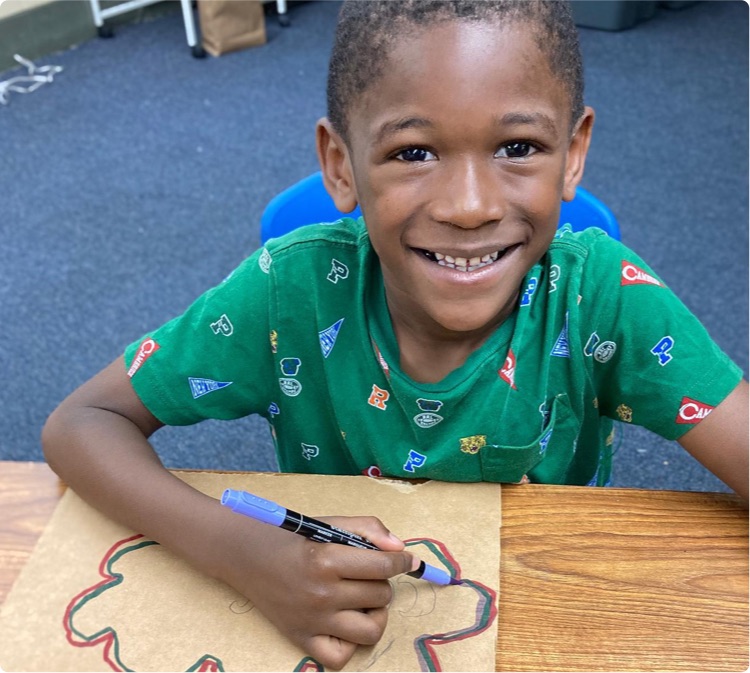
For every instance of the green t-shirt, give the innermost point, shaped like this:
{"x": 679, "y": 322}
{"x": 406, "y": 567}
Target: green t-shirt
{"x": 300, "y": 333}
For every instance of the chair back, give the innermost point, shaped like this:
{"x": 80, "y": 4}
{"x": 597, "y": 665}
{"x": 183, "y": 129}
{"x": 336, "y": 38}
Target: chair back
{"x": 308, "y": 202}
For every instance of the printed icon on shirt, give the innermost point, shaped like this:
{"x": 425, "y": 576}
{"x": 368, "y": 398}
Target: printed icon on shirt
{"x": 264, "y": 261}
{"x": 339, "y": 271}
{"x": 273, "y": 409}
{"x": 554, "y": 276}
{"x": 223, "y": 326}
{"x": 625, "y": 413}
{"x": 561, "y": 349}
{"x": 310, "y": 451}
{"x": 633, "y": 275}
{"x": 508, "y": 371}
{"x": 147, "y": 348}
{"x": 564, "y": 230}
{"x": 378, "y": 397}
{"x": 273, "y": 337}
{"x": 544, "y": 441}
{"x": 692, "y": 411}
{"x": 290, "y": 366}
{"x": 328, "y": 337}
{"x": 545, "y": 414}
{"x": 604, "y": 351}
{"x": 428, "y": 418}
{"x": 414, "y": 461}
{"x": 471, "y": 445}
{"x": 661, "y": 350}
{"x": 529, "y": 291}
{"x": 200, "y": 387}
{"x": 290, "y": 387}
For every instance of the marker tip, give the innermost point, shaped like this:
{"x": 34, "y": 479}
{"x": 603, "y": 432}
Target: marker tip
{"x": 454, "y": 581}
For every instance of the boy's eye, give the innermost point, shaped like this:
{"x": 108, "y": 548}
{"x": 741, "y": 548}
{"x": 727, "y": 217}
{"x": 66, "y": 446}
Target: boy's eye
{"x": 518, "y": 150}
{"x": 415, "y": 154}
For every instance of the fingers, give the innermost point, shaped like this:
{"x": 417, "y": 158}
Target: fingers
{"x": 369, "y": 527}
{"x": 372, "y": 565}
{"x": 348, "y": 628}
{"x": 330, "y": 651}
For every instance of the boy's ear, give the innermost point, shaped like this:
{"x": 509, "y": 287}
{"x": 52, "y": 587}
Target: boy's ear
{"x": 333, "y": 156}
{"x": 579, "y": 147}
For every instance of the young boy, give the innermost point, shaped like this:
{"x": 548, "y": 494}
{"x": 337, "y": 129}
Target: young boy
{"x": 451, "y": 335}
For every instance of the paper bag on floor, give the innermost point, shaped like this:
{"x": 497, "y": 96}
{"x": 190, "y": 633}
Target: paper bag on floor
{"x": 229, "y": 25}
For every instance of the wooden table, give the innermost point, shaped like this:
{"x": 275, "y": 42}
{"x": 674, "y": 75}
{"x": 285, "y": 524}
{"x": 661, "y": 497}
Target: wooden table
{"x": 591, "y": 579}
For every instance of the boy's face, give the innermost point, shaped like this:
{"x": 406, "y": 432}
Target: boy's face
{"x": 461, "y": 151}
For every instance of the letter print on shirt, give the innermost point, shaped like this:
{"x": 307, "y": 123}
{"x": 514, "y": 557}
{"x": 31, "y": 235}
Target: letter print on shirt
{"x": 414, "y": 461}
{"x": 661, "y": 350}
{"x": 529, "y": 291}
{"x": 630, "y": 274}
{"x": 223, "y": 326}
{"x": 339, "y": 271}
{"x": 428, "y": 418}
{"x": 328, "y": 337}
{"x": 147, "y": 348}
{"x": 692, "y": 411}
{"x": 378, "y": 397}
{"x": 309, "y": 451}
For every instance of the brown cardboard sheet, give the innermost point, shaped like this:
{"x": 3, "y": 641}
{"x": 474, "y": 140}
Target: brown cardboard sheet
{"x": 96, "y": 596}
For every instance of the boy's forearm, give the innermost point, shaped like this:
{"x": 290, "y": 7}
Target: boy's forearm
{"x": 107, "y": 460}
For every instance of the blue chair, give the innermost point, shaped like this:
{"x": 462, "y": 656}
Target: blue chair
{"x": 308, "y": 202}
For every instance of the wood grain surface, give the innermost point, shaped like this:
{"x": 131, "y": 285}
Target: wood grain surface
{"x": 591, "y": 579}
{"x": 622, "y": 580}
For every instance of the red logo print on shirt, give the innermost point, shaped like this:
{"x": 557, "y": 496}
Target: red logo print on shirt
{"x": 632, "y": 275}
{"x": 691, "y": 411}
{"x": 147, "y": 348}
{"x": 508, "y": 371}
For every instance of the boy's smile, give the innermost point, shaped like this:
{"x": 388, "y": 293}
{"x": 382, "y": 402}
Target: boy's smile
{"x": 461, "y": 153}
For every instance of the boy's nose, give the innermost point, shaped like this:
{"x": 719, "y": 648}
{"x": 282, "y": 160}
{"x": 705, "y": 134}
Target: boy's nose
{"x": 469, "y": 196}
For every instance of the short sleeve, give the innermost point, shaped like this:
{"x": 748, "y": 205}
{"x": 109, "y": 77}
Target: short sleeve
{"x": 215, "y": 360}
{"x": 652, "y": 361}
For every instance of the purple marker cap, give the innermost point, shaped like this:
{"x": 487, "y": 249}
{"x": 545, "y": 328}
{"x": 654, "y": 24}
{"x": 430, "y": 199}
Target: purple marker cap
{"x": 253, "y": 506}
{"x": 433, "y": 574}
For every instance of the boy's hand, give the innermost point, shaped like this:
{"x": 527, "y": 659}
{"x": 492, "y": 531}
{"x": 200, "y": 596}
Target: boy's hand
{"x": 326, "y": 598}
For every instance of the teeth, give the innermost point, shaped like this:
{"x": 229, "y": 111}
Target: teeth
{"x": 462, "y": 263}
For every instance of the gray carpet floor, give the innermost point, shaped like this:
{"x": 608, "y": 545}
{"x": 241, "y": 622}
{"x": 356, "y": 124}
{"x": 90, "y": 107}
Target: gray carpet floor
{"x": 137, "y": 179}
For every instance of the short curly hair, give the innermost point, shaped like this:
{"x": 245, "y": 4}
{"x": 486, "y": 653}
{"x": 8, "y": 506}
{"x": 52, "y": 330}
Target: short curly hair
{"x": 367, "y": 29}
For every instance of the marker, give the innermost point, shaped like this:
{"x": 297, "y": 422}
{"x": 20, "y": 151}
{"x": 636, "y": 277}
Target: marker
{"x": 269, "y": 512}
